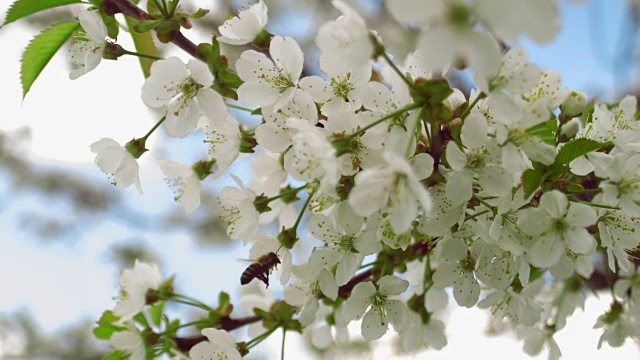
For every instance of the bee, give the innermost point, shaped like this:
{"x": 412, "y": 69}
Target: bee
{"x": 260, "y": 269}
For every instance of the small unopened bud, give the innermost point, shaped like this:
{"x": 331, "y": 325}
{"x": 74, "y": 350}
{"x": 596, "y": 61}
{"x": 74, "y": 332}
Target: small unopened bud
{"x": 570, "y": 129}
{"x": 113, "y": 51}
{"x": 574, "y": 105}
{"x": 455, "y": 100}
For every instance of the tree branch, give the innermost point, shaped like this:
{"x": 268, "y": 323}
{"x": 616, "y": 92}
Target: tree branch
{"x": 127, "y": 8}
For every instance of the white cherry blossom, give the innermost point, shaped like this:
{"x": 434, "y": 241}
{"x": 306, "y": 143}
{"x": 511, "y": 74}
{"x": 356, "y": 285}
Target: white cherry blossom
{"x": 219, "y": 345}
{"x": 274, "y": 134}
{"x": 115, "y": 160}
{"x": 183, "y": 91}
{"x": 345, "y": 43}
{"x": 346, "y": 240}
{"x": 88, "y": 46}
{"x": 270, "y": 82}
{"x": 134, "y": 285}
{"x": 185, "y": 183}
{"x": 394, "y": 186}
{"x": 380, "y": 306}
{"x": 244, "y": 28}
{"x": 311, "y": 156}
{"x": 238, "y": 211}
{"x": 223, "y": 140}
{"x": 556, "y": 226}
{"x": 130, "y": 342}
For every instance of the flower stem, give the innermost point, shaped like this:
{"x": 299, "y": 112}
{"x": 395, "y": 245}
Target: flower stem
{"x": 602, "y": 206}
{"x": 195, "y": 301}
{"x": 183, "y": 326}
{"x": 390, "y": 116}
{"x": 145, "y": 56}
{"x": 234, "y": 106}
{"x": 395, "y": 68}
{"x": 258, "y": 339}
{"x": 468, "y": 109}
{"x": 295, "y": 226}
{"x": 155, "y": 127}
{"x": 288, "y": 192}
{"x": 284, "y": 334}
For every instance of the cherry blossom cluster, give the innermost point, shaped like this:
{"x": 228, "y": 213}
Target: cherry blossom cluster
{"x": 407, "y": 190}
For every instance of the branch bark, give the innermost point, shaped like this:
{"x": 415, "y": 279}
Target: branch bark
{"x": 128, "y": 8}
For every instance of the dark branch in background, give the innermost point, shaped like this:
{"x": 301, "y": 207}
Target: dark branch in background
{"x": 127, "y": 8}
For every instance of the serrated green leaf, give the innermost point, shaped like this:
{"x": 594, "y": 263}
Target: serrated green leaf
{"x": 531, "y": 180}
{"x": 576, "y": 148}
{"x": 40, "y": 51}
{"x": 24, "y": 8}
{"x": 144, "y": 45}
{"x": 156, "y": 312}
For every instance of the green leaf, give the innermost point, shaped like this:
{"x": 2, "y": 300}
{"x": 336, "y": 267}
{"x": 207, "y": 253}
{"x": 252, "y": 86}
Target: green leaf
{"x": 116, "y": 355}
{"x": 576, "y": 148}
{"x": 156, "y": 313}
{"x": 113, "y": 27}
{"x": 144, "y": 45}
{"x": 531, "y": 180}
{"x": 105, "y": 326}
{"x": 223, "y": 299}
{"x": 40, "y": 50}
{"x": 24, "y": 8}
{"x": 545, "y": 131}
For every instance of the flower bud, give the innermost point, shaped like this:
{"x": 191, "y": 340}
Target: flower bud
{"x": 570, "y": 129}
{"x": 574, "y": 104}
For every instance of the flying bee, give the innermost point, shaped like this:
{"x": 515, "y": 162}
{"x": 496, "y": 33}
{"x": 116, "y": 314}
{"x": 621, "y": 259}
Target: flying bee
{"x": 260, "y": 269}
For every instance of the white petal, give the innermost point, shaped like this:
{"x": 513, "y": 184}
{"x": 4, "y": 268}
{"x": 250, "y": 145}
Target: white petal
{"x": 200, "y": 73}
{"x": 212, "y": 105}
{"x": 374, "y": 325}
{"x": 288, "y": 56}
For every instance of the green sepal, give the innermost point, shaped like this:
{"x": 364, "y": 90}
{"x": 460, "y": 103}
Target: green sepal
{"x": 105, "y": 327}
{"x": 261, "y": 203}
{"x": 262, "y": 40}
{"x": 288, "y": 237}
{"x": 136, "y": 147}
{"x": 156, "y": 313}
{"x": 196, "y": 15}
{"x": 257, "y": 111}
{"x": 147, "y": 25}
{"x": 230, "y": 79}
{"x": 166, "y": 30}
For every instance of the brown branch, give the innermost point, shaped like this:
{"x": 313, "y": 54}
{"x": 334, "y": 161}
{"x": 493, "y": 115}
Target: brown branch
{"x": 127, "y": 8}
{"x": 185, "y": 344}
